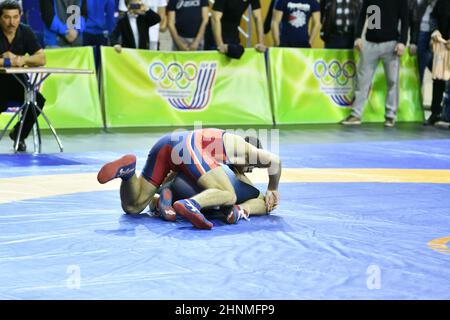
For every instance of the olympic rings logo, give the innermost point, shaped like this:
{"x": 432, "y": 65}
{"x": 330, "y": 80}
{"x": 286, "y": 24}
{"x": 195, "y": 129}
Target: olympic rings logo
{"x": 334, "y": 72}
{"x": 174, "y": 74}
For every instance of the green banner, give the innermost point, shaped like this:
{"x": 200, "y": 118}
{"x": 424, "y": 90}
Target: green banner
{"x": 72, "y": 101}
{"x": 317, "y": 86}
{"x": 149, "y": 88}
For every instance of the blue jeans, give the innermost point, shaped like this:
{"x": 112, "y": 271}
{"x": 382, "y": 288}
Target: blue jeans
{"x": 424, "y": 53}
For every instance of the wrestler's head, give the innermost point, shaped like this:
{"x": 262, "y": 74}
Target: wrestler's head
{"x": 254, "y": 141}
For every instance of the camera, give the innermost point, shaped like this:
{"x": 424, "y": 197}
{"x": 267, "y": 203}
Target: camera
{"x": 135, "y": 6}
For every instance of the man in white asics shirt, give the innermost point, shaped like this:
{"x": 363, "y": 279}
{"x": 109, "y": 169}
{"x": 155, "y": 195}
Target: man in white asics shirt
{"x": 158, "y": 6}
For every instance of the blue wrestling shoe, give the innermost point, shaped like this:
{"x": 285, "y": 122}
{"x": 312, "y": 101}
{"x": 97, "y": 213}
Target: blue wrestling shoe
{"x": 190, "y": 210}
{"x": 123, "y": 168}
{"x": 165, "y": 205}
{"x": 236, "y": 214}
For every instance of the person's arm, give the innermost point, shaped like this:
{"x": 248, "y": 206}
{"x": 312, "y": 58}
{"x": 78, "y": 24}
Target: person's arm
{"x": 268, "y": 20}
{"x": 216, "y": 22}
{"x": 257, "y": 15}
{"x": 276, "y": 20}
{"x": 181, "y": 44}
{"x": 404, "y": 19}
{"x": 360, "y": 25}
{"x": 266, "y": 159}
{"x": 163, "y": 19}
{"x": 202, "y": 29}
{"x": 151, "y": 17}
{"x": 315, "y": 27}
{"x": 38, "y": 59}
{"x": 115, "y": 36}
{"x": 51, "y": 21}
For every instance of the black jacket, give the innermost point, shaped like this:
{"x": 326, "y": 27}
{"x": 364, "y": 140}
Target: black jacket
{"x": 441, "y": 13}
{"x": 328, "y": 16}
{"x": 123, "y": 34}
{"x": 416, "y": 13}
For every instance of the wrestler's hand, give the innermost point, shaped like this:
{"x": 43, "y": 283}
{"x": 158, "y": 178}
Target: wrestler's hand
{"x": 272, "y": 200}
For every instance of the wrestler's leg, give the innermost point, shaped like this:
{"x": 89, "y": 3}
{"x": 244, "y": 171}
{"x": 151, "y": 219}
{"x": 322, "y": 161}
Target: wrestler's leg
{"x": 135, "y": 194}
{"x": 218, "y": 189}
{"x": 255, "y": 207}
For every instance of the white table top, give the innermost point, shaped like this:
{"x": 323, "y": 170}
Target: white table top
{"x": 44, "y": 70}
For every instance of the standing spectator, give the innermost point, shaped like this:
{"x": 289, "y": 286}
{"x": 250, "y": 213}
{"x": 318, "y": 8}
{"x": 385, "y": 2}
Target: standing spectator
{"x": 290, "y": 23}
{"x": 158, "y": 6}
{"x": 226, "y": 18}
{"x": 441, "y": 14}
{"x": 99, "y": 25}
{"x": 131, "y": 30}
{"x": 339, "y": 22}
{"x": 383, "y": 42}
{"x": 420, "y": 33}
{"x": 58, "y": 31}
{"x": 18, "y": 47}
{"x": 187, "y": 23}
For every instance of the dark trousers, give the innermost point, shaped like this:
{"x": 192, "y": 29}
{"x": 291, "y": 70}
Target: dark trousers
{"x": 95, "y": 40}
{"x": 438, "y": 95}
{"x": 14, "y": 92}
{"x": 345, "y": 41}
{"x": 424, "y": 53}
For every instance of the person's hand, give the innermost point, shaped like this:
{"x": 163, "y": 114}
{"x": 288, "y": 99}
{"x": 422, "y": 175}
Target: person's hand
{"x": 18, "y": 61}
{"x": 223, "y": 48}
{"x": 143, "y": 9}
{"x": 194, "y": 46}
{"x": 400, "y": 49}
{"x": 9, "y": 55}
{"x": 413, "y": 49}
{"x": 272, "y": 199}
{"x": 358, "y": 44}
{"x": 436, "y": 35}
{"x": 71, "y": 35}
{"x": 184, "y": 46}
{"x": 118, "y": 48}
{"x": 260, "y": 47}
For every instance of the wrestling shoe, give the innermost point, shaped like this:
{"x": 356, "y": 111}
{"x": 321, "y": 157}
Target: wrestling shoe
{"x": 165, "y": 205}
{"x": 190, "y": 210}
{"x": 123, "y": 168}
{"x": 236, "y": 214}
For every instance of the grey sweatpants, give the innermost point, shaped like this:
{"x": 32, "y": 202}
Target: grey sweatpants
{"x": 371, "y": 55}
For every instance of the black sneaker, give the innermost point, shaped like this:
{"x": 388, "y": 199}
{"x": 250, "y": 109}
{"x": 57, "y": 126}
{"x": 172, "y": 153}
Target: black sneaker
{"x": 432, "y": 119}
{"x": 22, "y": 147}
{"x": 351, "y": 121}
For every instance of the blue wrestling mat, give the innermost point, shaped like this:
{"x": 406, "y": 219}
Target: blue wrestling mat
{"x": 327, "y": 240}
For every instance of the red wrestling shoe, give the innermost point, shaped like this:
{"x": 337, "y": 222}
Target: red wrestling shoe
{"x": 190, "y": 210}
{"x": 123, "y": 168}
{"x": 237, "y": 214}
{"x": 165, "y": 205}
